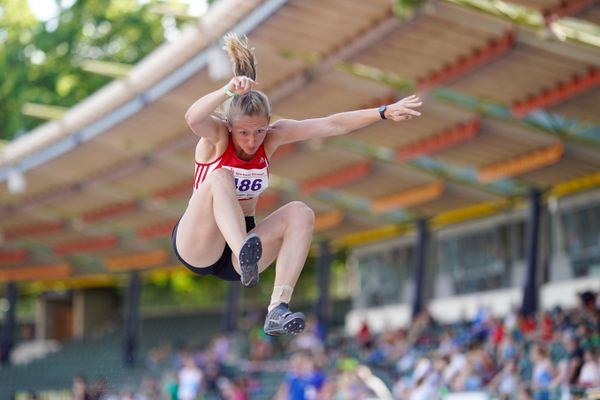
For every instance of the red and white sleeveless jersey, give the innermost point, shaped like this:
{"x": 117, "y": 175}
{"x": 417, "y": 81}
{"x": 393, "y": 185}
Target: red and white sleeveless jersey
{"x": 251, "y": 177}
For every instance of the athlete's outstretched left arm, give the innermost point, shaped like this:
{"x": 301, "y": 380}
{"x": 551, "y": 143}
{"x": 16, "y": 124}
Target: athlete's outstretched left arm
{"x": 287, "y": 131}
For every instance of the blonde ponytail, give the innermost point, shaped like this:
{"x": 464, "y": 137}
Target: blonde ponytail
{"x": 253, "y": 102}
{"x": 240, "y": 55}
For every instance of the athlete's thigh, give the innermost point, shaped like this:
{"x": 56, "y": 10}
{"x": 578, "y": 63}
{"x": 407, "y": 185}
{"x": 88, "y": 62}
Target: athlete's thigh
{"x": 199, "y": 240}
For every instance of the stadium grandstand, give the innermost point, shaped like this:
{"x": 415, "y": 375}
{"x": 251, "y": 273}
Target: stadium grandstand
{"x": 455, "y": 257}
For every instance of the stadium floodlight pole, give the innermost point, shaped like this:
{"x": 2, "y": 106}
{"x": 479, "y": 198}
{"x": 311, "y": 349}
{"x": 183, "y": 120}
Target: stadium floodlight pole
{"x": 130, "y": 344}
{"x": 230, "y": 316}
{"x": 8, "y": 329}
{"x": 419, "y": 267}
{"x": 530, "y": 291}
{"x": 323, "y": 283}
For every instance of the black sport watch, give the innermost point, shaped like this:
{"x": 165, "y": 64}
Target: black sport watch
{"x": 382, "y": 111}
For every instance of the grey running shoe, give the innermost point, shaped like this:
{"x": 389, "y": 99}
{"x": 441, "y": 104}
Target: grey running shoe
{"x": 249, "y": 255}
{"x": 281, "y": 321}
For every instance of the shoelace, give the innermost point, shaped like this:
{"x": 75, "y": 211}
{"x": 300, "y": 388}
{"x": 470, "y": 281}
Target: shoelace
{"x": 279, "y": 315}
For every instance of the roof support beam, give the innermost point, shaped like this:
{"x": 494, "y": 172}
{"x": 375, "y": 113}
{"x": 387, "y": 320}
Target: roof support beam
{"x": 355, "y": 204}
{"x": 576, "y": 185}
{"x": 521, "y": 164}
{"x": 137, "y": 261}
{"x": 159, "y": 230}
{"x": 559, "y": 93}
{"x": 27, "y": 231}
{"x": 494, "y": 48}
{"x": 470, "y": 212}
{"x": 457, "y": 134}
{"x": 13, "y": 256}
{"x": 409, "y": 197}
{"x": 328, "y": 220}
{"x": 37, "y": 272}
{"x": 337, "y": 178}
{"x": 457, "y": 174}
{"x": 87, "y": 245}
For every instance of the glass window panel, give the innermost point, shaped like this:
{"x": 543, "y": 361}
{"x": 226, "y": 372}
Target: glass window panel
{"x": 581, "y": 232}
{"x": 474, "y": 262}
{"x": 382, "y": 276}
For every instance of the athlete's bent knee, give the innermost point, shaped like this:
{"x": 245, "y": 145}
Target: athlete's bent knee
{"x": 302, "y": 214}
{"x": 221, "y": 176}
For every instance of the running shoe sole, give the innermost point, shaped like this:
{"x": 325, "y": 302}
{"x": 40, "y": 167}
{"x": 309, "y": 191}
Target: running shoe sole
{"x": 249, "y": 256}
{"x": 293, "y": 324}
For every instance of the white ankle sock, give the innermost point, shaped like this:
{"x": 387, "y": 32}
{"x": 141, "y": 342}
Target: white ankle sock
{"x": 281, "y": 294}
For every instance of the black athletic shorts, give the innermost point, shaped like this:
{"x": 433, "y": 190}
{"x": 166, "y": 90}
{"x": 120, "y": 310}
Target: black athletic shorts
{"x": 223, "y": 268}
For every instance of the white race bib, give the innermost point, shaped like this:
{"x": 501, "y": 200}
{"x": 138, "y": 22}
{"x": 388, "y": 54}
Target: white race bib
{"x": 249, "y": 183}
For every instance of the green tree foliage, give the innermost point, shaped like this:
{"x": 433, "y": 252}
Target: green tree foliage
{"x": 41, "y": 61}
{"x": 405, "y": 9}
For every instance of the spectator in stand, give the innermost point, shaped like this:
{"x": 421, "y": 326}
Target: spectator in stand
{"x": 380, "y": 349}
{"x": 497, "y": 332}
{"x": 31, "y": 396}
{"x": 100, "y": 389}
{"x": 181, "y": 351}
{"x": 575, "y": 358}
{"x": 303, "y": 382}
{"x": 543, "y": 372}
{"x": 240, "y": 389}
{"x": 482, "y": 323}
{"x": 506, "y": 382}
{"x": 170, "y": 386}
{"x": 458, "y": 362}
{"x": 212, "y": 373}
{"x": 560, "y": 383}
{"x": 547, "y": 327}
{"x": 364, "y": 338}
{"x": 446, "y": 342}
{"x": 423, "y": 381}
{"x": 525, "y": 393}
{"x": 261, "y": 345}
{"x": 486, "y": 365}
{"x": 80, "y": 388}
{"x": 508, "y": 349}
{"x": 589, "y": 376}
{"x": 560, "y": 320}
{"x": 467, "y": 379}
{"x": 158, "y": 356}
{"x": 220, "y": 348}
{"x": 373, "y": 383}
{"x": 190, "y": 379}
{"x": 588, "y": 302}
{"x": 527, "y": 326}
{"x": 149, "y": 389}
{"x": 345, "y": 385}
{"x": 310, "y": 338}
{"x": 511, "y": 320}
{"x": 423, "y": 330}
{"x": 127, "y": 394}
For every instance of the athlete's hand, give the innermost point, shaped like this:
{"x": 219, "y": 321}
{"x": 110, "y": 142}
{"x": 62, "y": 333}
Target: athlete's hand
{"x": 402, "y": 110}
{"x": 241, "y": 84}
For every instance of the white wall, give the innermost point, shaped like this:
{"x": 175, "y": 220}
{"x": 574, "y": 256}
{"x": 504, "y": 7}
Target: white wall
{"x": 451, "y": 309}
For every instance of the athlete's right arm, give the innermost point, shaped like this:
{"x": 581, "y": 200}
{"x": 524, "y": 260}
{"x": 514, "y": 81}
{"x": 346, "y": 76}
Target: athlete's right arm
{"x": 200, "y": 119}
{"x": 199, "y": 116}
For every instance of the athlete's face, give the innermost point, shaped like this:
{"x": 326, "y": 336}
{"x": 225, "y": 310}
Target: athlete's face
{"x": 248, "y": 133}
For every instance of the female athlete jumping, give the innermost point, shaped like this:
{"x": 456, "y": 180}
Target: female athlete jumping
{"x": 217, "y": 234}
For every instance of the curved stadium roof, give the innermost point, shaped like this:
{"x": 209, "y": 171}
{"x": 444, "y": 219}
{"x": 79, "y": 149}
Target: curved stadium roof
{"x": 506, "y": 110}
